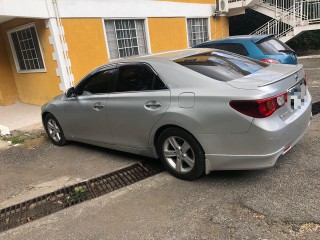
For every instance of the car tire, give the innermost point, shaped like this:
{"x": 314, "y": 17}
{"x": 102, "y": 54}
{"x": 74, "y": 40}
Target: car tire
{"x": 54, "y": 130}
{"x": 181, "y": 154}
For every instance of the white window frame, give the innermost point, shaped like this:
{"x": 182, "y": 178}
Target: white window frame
{"x": 187, "y": 31}
{"x": 147, "y": 34}
{"x": 14, "y": 53}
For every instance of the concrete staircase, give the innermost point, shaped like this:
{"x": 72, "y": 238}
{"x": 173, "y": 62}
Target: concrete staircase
{"x": 290, "y": 17}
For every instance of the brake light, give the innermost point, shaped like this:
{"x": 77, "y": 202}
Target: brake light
{"x": 269, "y": 60}
{"x": 261, "y": 108}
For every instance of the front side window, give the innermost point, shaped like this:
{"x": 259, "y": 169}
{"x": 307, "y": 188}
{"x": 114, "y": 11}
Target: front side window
{"x": 126, "y": 38}
{"x": 100, "y": 83}
{"x": 138, "y": 78}
{"x": 197, "y": 31}
{"x": 26, "y": 49}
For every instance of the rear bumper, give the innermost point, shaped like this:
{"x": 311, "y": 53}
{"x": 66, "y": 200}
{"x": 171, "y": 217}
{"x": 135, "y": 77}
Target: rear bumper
{"x": 246, "y": 162}
{"x": 260, "y": 147}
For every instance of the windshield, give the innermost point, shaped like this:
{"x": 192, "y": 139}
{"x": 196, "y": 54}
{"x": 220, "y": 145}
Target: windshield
{"x": 220, "y": 65}
{"x": 273, "y": 46}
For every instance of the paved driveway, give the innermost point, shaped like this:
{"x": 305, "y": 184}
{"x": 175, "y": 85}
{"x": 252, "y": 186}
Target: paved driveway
{"x": 276, "y": 203}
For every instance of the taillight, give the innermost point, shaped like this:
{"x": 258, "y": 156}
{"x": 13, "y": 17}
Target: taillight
{"x": 269, "y": 60}
{"x": 261, "y": 108}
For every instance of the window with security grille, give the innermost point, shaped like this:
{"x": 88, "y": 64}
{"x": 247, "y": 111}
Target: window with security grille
{"x": 26, "y": 49}
{"x": 126, "y": 38}
{"x": 197, "y": 31}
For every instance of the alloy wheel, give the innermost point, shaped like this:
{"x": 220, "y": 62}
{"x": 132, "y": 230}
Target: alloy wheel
{"x": 54, "y": 130}
{"x": 179, "y": 154}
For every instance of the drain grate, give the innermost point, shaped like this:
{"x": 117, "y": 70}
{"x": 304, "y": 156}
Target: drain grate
{"x": 316, "y": 108}
{"x": 44, "y": 205}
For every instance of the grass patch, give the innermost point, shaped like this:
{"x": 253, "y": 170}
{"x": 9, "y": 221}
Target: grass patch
{"x": 19, "y": 139}
{"x": 78, "y": 194}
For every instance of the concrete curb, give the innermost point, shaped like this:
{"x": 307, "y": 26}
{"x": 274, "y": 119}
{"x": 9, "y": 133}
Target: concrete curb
{"x": 4, "y": 130}
{"x": 311, "y": 56}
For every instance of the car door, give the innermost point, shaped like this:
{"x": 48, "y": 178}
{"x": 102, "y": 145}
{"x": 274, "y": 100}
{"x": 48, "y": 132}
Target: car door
{"x": 139, "y": 101}
{"x": 86, "y": 112}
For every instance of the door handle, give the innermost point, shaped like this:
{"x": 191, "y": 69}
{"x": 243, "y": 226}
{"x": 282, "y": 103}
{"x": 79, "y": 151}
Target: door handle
{"x": 152, "y": 105}
{"x": 98, "y": 106}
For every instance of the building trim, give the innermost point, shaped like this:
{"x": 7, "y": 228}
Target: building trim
{"x": 43, "y": 9}
{"x": 133, "y": 9}
{"x": 58, "y": 55}
{"x": 146, "y": 27}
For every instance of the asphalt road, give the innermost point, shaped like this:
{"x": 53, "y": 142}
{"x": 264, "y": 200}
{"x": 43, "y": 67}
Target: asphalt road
{"x": 282, "y": 202}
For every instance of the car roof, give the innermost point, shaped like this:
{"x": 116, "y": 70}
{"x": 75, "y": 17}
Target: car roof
{"x": 171, "y": 55}
{"x": 253, "y": 38}
{"x": 174, "y": 75}
{"x": 163, "y": 57}
{"x": 166, "y": 58}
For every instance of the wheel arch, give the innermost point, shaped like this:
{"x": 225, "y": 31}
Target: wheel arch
{"x": 44, "y": 114}
{"x": 164, "y": 127}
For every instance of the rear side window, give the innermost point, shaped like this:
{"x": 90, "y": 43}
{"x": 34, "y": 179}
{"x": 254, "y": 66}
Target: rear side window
{"x": 221, "y": 65}
{"x": 232, "y": 47}
{"x": 273, "y": 46}
{"x": 138, "y": 78}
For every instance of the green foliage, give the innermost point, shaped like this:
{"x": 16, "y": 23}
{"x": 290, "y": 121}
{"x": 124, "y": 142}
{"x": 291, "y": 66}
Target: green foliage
{"x": 15, "y": 139}
{"x": 78, "y": 194}
{"x": 306, "y": 41}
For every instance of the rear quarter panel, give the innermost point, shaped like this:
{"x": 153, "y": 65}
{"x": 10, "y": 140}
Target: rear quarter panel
{"x": 211, "y": 113}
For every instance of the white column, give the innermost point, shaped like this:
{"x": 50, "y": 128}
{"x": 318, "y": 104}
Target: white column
{"x": 58, "y": 55}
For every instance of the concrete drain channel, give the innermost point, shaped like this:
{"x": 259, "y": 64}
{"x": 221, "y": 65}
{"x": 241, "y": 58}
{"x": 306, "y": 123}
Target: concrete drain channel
{"x": 44, "y": 205}
{"x": 316, "y": 108}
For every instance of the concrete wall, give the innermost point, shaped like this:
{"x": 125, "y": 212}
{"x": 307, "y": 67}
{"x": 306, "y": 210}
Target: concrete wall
{"x": 167, "y": 34}
{"x": 219, "y": 27}
{"x": 87, "y": 46}
{"x": 8, "y": 90}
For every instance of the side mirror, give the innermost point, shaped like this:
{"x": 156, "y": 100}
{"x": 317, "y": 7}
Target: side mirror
{"x": 71, "y": 92}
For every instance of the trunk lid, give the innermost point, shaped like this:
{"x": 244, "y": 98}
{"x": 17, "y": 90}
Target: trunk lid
{"x": 275, "y": 75}
{"x": 276, "y": 79}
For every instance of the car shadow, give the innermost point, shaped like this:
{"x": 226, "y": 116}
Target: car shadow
{"x": 153, "y": 162}
{"x": 235, "y": 175}
{"x": 213, "y": 177}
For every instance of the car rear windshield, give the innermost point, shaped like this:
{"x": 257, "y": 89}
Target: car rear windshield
{"x": 273, "y": 46}
{"x": 220, "y": 65}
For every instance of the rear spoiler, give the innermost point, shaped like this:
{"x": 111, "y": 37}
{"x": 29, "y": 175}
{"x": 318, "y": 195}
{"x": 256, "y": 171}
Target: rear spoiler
{"x": 260, "y": 38}
{"x": 297, "y": 69}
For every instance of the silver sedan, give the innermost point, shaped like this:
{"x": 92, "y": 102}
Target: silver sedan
{"x": 198, "y": 110}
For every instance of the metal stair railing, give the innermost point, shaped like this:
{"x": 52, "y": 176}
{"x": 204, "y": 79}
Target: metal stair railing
{"x": 278, "y": 26}
{"x": 282, "y": 5}
{"x": 309, "y": 10}
{"x": 300, "y": 13}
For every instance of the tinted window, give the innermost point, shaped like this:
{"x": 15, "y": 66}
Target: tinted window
{"x": 273, "y": 46}
{"x": 232, "y": 47}
{"x": 99, "y": 83}
{"x": 221, "y": 66}
{"x": 138, "y": 78}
